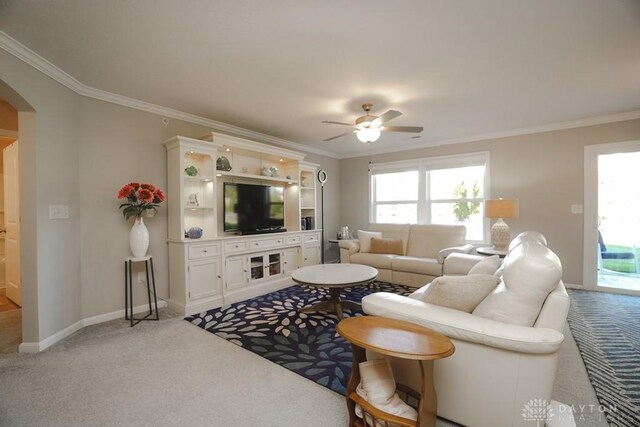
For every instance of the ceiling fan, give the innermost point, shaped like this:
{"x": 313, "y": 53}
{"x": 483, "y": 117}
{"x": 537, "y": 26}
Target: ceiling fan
{"x": 368, "y": 127}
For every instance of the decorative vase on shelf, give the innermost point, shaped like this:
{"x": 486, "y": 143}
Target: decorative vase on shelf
{"x": 139, "y": 238}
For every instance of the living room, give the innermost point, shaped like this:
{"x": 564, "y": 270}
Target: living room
{"x": 97, "y": 89}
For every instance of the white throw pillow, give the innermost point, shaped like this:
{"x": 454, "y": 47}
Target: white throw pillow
{"x": 531, "y": 273}
{"x": 462, "y": 293}
{"x": 378, "y": 387}
{"x": 364, "y": 237}
{"x": 488, "y": 265}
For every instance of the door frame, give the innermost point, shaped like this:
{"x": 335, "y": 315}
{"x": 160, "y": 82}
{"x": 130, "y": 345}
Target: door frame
{"x": 590, "y": 242}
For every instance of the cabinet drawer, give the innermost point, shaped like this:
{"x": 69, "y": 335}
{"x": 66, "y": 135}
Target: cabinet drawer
{"x": 204, "y": 251}
{"x": 311, "y": 238}
{"x": 230, "y": 247}
{"x": 292, "y": 240}
{"x": 267, "y": 243}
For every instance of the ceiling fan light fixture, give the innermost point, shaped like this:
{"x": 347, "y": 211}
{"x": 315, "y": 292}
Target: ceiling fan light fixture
{"x": 368, "y": 134}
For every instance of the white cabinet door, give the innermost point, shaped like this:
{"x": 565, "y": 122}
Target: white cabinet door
{"x": 204, "y": 278}
{"x": 310, "y": 255}
{"x": 236, "y": 272}
{"x": 289, "y": 260}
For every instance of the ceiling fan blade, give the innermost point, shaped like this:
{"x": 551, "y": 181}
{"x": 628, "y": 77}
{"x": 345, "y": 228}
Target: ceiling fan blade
{"x": 389, "y": 115}
{"x": 337, "y": 123}
{"x": 337, "y": 136}
{"x": 414, "y": 129}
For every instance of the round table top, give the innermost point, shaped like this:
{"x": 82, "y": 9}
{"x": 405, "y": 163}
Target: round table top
{"x": 395, "y": 338}
{"x": 334, "y": 275}
{"x": 490, "y": 250}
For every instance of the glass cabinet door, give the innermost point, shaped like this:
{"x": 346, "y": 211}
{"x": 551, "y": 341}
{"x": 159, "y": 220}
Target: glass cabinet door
{"x": 257, "y": 267}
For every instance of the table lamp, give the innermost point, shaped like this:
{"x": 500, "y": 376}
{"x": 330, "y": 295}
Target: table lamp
{"x": 500, "y": 209}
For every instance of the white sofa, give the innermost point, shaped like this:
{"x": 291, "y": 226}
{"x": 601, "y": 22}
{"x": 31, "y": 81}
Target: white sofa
{"x": 497, "y": 367}
{"x": 425, "y": 248}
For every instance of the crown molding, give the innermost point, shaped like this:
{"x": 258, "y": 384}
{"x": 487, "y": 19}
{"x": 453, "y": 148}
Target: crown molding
{"x": 28, "y": 56}
{"x": 590, "y": 121}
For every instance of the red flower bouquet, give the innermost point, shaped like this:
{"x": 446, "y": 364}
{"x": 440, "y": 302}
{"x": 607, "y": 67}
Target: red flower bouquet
{"x": 140, "y": 197}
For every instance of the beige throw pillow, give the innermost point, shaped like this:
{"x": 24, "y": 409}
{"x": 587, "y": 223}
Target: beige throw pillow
{"x": 462, "y": 293}
{"x": 487, "y": 266}
{"x": 386, "y": 246}
{"x": 364, "y": 238}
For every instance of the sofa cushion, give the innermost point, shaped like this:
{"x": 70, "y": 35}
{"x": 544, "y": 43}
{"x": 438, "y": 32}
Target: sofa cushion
{"x": 462, "y": 293}
{"x": 488, "y": 265}
{"x": 373, "y": 260}
{"x": 411, "y": 264}
{"x": 394, "y": 231}
{"x": 386, "y": 246}
{"x": 364, "y": 238}
{"x": 531, "y": 272}
{"x": 425, "y": 241}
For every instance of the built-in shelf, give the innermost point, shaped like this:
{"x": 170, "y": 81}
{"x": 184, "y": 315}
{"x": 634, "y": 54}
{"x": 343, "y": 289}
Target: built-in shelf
{"x": 308, "y": 207}
{"x": 198, "y": 178}
{"x": 257, "y": 177}
{"x": 195, "y": 208}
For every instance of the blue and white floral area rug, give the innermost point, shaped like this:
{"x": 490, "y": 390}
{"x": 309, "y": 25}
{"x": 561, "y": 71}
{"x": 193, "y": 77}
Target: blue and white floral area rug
{"x": 305, "y": 343}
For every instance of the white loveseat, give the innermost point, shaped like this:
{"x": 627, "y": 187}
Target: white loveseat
{"x": 498, "y": 366}
{"x": 425, "y": 249}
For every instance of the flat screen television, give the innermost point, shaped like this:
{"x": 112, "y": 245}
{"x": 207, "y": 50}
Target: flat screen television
{"x": 252, "y": 208}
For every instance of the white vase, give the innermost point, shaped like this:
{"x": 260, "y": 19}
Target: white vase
{"x": 139, "y": 238}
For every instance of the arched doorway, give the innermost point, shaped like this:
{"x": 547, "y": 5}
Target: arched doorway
{"x": 19, "y": 320}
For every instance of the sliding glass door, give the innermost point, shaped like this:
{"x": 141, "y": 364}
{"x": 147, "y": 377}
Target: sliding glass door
{"x": 612, "y": 217}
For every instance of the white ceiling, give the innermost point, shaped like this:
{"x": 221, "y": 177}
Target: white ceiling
{"x": 458, "y": 68}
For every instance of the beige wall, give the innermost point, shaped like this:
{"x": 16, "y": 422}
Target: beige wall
{"x": 545, "y": 171}
{"x": 81, "y": 151}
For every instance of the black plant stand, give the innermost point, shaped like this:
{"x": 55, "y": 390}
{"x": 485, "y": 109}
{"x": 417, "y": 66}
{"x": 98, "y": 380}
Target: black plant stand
{"x": 128, "y": 289}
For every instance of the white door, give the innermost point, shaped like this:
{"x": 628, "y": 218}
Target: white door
{"x": 12, "y": 223}
{"x": 310, "y": 255}
{"x": 236, "y": 272}
{"x": 289, "y": 260}
{"x": 204, "y": 278}
{"x": 612, "y": 218}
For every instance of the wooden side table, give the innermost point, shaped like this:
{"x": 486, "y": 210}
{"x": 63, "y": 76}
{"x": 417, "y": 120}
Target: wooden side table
{"x": 128, "y": 289}
{"x": 400, "y": 339}
{"x": 489, "y": 250}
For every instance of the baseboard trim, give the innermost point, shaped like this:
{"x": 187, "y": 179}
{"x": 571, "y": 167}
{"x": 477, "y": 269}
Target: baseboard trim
{"x": 573, "y": 286}
{"x": 36, "y": 347}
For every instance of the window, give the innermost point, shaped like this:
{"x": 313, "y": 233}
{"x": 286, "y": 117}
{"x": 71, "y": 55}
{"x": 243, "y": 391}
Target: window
{"x": 441, "y": 190}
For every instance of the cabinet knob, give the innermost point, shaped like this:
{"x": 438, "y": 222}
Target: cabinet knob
{"x": 219, "y": 277}
{"x": 204, "y": 250}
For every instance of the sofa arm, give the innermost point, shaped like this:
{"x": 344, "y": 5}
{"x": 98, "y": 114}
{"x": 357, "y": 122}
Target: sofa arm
{"x": 444, "y": 253}
{"x": 347, "y": 248}
{"x": 460, "y": 264}
{"x": 464, "y": 326}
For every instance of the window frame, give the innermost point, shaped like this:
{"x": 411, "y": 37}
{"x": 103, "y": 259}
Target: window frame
{"x": 423, "y": 166}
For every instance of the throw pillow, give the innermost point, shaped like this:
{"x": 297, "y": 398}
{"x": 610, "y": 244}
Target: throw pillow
{"x": 378, "y": 387}
{"x": 462, "y": 293}
{"x": 531, "y": 273}
{"x": 386, "y": 246}
{"x": 364, "y": 237}
{"x": 488, "y": 265}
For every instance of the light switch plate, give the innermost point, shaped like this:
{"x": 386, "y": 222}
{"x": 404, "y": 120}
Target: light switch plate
{"x": 576, "y": 209}
{"x": 58, "y": 212}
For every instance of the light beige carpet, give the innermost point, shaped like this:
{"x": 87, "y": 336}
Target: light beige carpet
{"x": 171, "y": 373}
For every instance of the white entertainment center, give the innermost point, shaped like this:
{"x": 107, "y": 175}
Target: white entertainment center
{"x": 224, "y": 267}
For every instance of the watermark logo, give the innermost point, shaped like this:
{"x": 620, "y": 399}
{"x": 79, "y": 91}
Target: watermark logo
{"x": 537, "y": 410}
